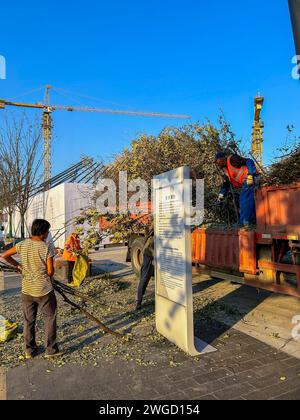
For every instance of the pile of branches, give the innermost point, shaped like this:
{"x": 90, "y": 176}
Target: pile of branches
{"x": 193, "y": 145}
{"x": 287, "y": 169}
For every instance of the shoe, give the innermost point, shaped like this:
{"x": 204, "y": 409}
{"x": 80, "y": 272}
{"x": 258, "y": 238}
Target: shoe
{"x": 138, "y": 307}
{"x": 30, "y": 356}
{"x": 52, "y": 356}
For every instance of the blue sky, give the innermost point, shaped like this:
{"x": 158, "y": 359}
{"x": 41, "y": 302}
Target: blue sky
{"x": 173, "y": 56}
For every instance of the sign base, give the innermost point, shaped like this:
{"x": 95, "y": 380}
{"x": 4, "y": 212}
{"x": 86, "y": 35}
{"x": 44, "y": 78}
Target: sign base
{"x": 175, "y": 322}
{"x": 202, "y": 347}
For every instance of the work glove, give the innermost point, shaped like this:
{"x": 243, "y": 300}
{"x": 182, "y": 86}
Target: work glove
{"x": 258, "y": 181}
{"x": 220, "y": 198}
{"x": 250, "y": 180}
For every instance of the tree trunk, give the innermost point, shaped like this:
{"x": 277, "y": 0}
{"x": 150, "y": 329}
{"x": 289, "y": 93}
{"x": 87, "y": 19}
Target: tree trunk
{"x": 10, "y": 216}
{"x": 22, "y": 226}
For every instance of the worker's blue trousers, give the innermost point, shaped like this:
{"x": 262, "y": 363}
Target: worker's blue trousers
{"x": 247, "y": 206}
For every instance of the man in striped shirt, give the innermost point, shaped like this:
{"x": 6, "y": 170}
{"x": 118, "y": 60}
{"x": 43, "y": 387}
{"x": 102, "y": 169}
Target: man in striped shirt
{"x": 37, "y": 268}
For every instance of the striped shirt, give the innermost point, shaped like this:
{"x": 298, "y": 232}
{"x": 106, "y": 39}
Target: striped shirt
{"x": 34, "y": 256}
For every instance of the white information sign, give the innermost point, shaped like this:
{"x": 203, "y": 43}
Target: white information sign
{"x": 173, "y": 258}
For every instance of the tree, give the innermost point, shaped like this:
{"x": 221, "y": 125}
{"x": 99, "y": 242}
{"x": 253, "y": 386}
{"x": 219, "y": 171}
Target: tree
{"x": 286, "y": 168}
{"x": 21, "y": 157}
{"x": 7, "y": 200}
{"x": 194, "y": 145}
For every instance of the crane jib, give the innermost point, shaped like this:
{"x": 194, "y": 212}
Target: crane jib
{"x": 52, "y": 108}
{"x": 47, "y": 122}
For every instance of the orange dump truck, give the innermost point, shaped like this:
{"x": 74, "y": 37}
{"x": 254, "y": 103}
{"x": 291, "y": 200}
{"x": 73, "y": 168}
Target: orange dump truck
{"x": 266, "y": 258}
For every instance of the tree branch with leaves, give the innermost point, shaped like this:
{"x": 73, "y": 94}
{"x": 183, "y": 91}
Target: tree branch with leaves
{"x": 21, "y": 157}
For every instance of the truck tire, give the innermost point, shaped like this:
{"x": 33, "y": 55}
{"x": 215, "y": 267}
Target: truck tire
{"x": 137, "y": 254}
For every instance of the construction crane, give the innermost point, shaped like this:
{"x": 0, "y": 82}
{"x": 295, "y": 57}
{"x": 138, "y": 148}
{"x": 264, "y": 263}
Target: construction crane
{"x": 47, "y": 121}
{"x": 257, "y": 133}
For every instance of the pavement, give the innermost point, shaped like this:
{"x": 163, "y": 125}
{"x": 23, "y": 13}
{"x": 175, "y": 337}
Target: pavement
{"x": 256, "y": 359}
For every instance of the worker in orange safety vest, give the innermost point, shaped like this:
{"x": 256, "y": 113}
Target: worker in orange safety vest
{"x": 240, "y": 173}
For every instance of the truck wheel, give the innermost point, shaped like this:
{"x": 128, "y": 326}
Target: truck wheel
{"x": 137, "y": 254}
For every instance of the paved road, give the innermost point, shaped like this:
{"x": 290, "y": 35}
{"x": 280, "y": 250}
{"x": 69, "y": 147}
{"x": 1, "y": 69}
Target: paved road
{"x": 243, "y": 368}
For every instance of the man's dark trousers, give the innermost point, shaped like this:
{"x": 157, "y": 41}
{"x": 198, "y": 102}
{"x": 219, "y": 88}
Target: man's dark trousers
{"x": 147, "y": 272}
{"x": 71, "y": 265}
{"x": 48, "y": 306}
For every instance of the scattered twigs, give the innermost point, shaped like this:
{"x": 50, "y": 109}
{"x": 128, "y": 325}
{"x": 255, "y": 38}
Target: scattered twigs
{"x": 62, "y": 292}
{"x": 65, "y": 290}
{"x": 7, "y": 268}
{"x": 71, "y": 291}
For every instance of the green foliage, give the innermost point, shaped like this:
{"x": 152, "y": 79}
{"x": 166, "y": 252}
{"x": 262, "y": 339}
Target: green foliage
{"x": 287, "y": 169}
{"x": 193, "y": 145}
{"x": 124, "y": 227}
{"x": 87, "y": 227}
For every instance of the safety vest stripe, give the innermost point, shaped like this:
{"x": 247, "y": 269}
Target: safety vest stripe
{"x": 236, "y": 175}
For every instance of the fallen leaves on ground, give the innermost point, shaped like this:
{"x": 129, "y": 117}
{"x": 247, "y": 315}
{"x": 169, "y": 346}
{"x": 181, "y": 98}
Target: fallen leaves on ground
{"x": 85, "y": 344}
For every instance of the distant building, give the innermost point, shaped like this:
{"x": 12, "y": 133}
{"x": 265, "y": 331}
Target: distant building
{"x": 60, "y": 206}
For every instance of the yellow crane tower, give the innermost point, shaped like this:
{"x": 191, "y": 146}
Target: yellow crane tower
{"x": 47, "y": 121}
{"x": 257, "y": 133}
